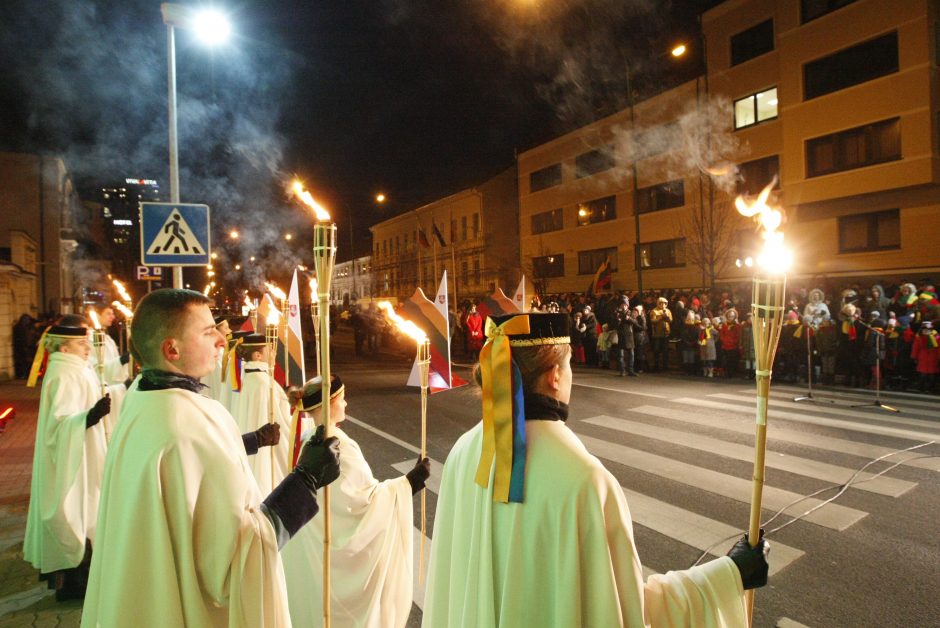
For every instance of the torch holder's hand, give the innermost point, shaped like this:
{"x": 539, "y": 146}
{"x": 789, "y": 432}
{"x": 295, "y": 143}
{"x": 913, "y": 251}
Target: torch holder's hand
{"x": 751, "y": 561}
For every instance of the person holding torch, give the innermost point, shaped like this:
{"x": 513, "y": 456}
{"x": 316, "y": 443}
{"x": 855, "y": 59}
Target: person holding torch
{"x": 184, "y": 536}
{"x": 372, "y": 526}
{"x": 532, "y": 530}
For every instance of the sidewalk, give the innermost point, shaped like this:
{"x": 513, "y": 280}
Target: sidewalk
{"x": 24, "y": 601}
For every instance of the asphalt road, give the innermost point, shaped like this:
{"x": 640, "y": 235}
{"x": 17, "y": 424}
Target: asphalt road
{"x": 682, "y": 450}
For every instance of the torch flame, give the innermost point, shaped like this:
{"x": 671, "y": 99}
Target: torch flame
{"x": 122, "y": 291}
{"x": 273, "y": 316}
{"x": 277, "y": 292}
{"x": 405, "y": 326}
{"x": 249, "y": 304}
{"x": 297, "y": 188}
{"x": 313, "y": 288}
{"x": 93, "y": 315}
{"x": 207, "y": 289}
{"x": 123, "y": 309}
{"x": 774, "y": 257}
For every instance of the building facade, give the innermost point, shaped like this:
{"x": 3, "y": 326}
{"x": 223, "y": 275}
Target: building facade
{"x": 835, "y": 102}
{"x": 352, "y": 281}
{"x": 38, "y": 200}
{"x": 472, "y": 234}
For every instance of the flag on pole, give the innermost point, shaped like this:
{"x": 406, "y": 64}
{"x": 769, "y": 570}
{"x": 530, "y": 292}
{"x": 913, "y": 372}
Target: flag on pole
{"x": 602, "y": 278}
{"x": 519, "y": 297}
{"x": 295, "y": 359}
{"x": 496, "y": 304}
{"x": 432, "y": 318}
{"x": 423, "y": 238}
{"x": 437, "y": 233}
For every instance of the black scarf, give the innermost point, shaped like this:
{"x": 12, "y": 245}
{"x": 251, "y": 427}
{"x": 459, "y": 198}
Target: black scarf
{"x": 540, "y": 407}
{"x": 155, "y": 379}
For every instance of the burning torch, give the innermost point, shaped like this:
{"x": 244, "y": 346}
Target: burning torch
{"x": 270, "y": 338}
{"x": 97, "y": 341}
{"x": 315, "y": 318}
{"x": 128, "y": 317}
{"x": 324, "y": 257}
{"x": 767, "y": 308}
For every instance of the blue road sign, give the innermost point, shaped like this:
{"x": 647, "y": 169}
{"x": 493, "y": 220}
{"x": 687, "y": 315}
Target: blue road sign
{"x": 174, "y": 234}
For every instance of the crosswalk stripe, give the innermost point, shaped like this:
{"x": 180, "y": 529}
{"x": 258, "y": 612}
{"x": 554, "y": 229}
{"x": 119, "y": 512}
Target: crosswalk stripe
{"x": 921, "y": 401}
{"x": 833, "y": 516}
{"x": 695, "y": 530}
{"x": 804, "y": 417}
{"x": 780, "y": 434}
{"x": 801, "y": 466}
{"x": 837, "y": 411}
{"x": 620, "y": 390}
{"x": 786, "y": 622}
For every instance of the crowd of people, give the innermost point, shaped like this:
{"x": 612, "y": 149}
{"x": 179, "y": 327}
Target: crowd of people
{"x": 852, "y": 335}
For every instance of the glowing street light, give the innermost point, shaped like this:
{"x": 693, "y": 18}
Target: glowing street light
{"x": 288, "y": 236}
{"x": 212, "y": 28}
{"x": 379, "y": 198}
{"x": 233, "y": 234}
{"x": 214, "y": 256}
{"x": 678, "y": 51}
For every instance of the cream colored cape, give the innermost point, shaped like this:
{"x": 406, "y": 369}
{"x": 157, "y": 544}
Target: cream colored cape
{"x": 214, "y": 383}
{"x": 371, "y": 558}
{"x": 68, "y": 461}
{"x": 250, "y": 409}
{"x": 563, "y": 558}
{"x": 181, "y": 538}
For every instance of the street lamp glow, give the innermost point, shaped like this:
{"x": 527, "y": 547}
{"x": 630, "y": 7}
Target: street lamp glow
{"x": 288, "y": 236}
{"x": 379, "y": 198}
{"x": 679, "y": 50}
{"x": 238, "y": 266}
{"x": 214, "y": 256}
{"x": 233, "y": 234}
{"x": 211, "y": 26}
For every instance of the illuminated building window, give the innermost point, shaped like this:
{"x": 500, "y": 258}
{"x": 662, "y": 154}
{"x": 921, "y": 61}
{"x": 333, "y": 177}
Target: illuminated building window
{"x": 752, "y": 42}
{"x": 874, "y": 231}
{"x": 754, "y": 175}
{"x": 662, "y": 254}
{"x": 549, "y": 266}
{"x": 755, "y": 108}
{"x": 861, "y": 63}
{"x": 598, "y": 210}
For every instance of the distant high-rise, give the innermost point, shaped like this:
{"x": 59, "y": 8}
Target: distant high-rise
{"x": 120, "y": 208}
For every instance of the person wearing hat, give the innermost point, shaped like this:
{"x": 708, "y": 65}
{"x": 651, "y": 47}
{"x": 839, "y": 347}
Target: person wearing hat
{"x": 251, "y": 409}
{"x": 372, "y": 531}
{"x": 532, "y": 530}
{"x": 184, "y": 537}
{"x": 729, "y": 335}
{"x": 68, "y": 460}
{"x": 925, "y": 352}
{"x": 660, "y": 322}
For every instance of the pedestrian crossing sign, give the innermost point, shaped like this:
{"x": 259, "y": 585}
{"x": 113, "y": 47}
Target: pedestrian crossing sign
{"x": 174, "y": 234}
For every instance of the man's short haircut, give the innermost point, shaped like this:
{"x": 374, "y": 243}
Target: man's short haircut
{"x": 159, "y": 316}
{"x": 73, "y": 320}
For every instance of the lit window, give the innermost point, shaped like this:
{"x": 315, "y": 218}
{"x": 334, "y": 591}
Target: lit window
{"x": 755, "y": 108}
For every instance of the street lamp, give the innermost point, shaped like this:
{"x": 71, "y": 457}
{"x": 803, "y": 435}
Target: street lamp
{"x": 676, "y": 52}
{"x": 211, "y": 27}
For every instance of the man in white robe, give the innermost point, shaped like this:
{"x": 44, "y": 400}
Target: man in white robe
{"x": 371, "y": 545}
{"x": 116, "y": 370}
{"x": 184, "y": 538}
{"x": 251, "y": 408}
{"x": 563, "y": 555}
{"x": 68, "y": 461}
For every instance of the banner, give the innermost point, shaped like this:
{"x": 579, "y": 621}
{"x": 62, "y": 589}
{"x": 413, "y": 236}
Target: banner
{"x": 432, "y": 318}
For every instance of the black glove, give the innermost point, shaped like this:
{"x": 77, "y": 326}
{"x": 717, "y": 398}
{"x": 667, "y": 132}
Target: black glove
{"x": 128, "y": 382}
{"x": 125, "y": 358}
{"x": 98, "y": 411}
{"x": 419, "y": 475}
{"x": 751, "y": 561}
{"x": 318, "y": 463}
{"x": 269, "y": 434}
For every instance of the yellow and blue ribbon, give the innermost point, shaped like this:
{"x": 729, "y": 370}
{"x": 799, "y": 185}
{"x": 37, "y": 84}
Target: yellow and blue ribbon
{"x": 503, "y": 412}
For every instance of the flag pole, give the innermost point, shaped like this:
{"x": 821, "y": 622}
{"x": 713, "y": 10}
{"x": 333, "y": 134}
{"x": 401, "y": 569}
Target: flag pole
{"x": 424, "y": 363}
{"x": 270, "y": 338}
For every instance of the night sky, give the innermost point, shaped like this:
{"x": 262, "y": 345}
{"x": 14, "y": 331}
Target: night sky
{"x": 415, "y": 99}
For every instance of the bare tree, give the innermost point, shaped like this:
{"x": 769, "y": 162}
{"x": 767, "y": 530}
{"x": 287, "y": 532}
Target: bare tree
{"x": 710, "y": 231}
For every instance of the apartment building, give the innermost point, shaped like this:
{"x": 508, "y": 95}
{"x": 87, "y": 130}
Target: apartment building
{"x": 836, "y": 98}
{"x": 352, "y": 280}
{"x": 472, "y": 234}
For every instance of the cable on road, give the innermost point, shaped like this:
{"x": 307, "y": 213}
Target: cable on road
{"x": 842, "y": 488}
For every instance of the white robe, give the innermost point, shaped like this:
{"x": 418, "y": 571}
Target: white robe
{"x": 250, "y": 409}
{"x": 181, "y": 538}
{"x": 565, "y": 557}
{"x": 68, "y": 462}
{"x": 371, "y": 559}
{"x": 214, "y": 382}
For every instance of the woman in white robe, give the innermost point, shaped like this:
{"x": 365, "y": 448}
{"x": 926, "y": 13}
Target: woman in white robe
{"x": 561, "y": 552}
{"x": 372, "y": 535}
{"x": 68, "y": 461}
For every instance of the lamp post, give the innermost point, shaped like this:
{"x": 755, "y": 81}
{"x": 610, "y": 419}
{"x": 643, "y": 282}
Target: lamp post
{"x": 212, "y": 27}
{"x": 676, "y": 52}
